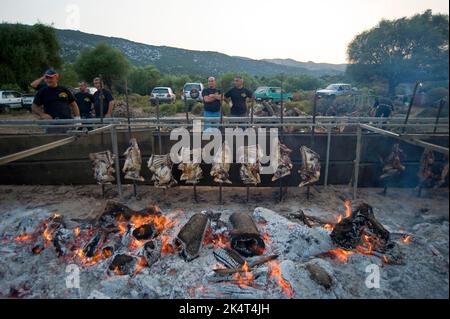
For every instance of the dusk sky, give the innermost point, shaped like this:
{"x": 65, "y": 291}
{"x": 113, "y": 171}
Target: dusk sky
{"x": 316, "y": 31}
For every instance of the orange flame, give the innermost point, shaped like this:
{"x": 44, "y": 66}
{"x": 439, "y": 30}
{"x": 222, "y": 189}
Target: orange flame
{"x": 406, "y": 239}
{"x": 348, "y": 208}
{"x": 23, "y": 237}
{"x": 246, "y": 278}
{"x": 328, "y": 227}
{"x": 167, "y": 247}
{"x": 76, "y": 231}
{"x": 275, "y": 273}
{"x": 140, "y": 265}
{"x": 340, "y": 254}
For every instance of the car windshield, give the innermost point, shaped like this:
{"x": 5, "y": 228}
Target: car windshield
{"x": 189, "y": 87}
{"x": 260, "y": 90}
{"x": 275, "y": 90}
{"x": 332, "y": 87}
{"x": 160, "y": 91}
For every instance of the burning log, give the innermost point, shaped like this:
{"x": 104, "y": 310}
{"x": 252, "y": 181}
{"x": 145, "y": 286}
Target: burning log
{"x": 102, "y": 165}
{"x": 133, "y": 162}
{"x": 123, "y": 265}
{"x": 251, "y": 167}
{"x": 191, "y": 236}
{"x": 255, "y": 263}
{"x": 221, "y": 165}
{"x": 310, "y": 169}
{"x": 245, "y": 237}
{"x": 152, "y": 251}
{"x": 161, "y": 168}
{"x": 144, "y": 232}
{"x": 284, "y": 162}
{"x": 229, "y": 257}
{"x": 361, "y": 229}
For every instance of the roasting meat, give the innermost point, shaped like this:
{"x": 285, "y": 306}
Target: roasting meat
{"x": 102, "y": 165}
{"x": 161, "y": 168}
{"x": 133, "y": 162}
{"x": 284, "y": 162}
{"x": 191, "y": 172}
{"x": 310, "y": 169}
{"x": 393, "y": 165}
{"x": 251, "y": 167}
{"x": 221, "y": 165}
{"x": 432, "y": 174}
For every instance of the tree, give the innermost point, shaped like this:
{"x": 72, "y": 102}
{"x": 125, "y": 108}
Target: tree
{"x": 143, "y": 80}
{"x": 103, "y": 60}
{"x": 403, "y": 50}
{"x": 68, "y": 76}
{"x": 26, "y": 52}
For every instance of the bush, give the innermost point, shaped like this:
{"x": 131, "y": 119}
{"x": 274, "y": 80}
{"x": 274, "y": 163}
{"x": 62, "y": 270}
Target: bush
{"x": 197, "y": 109}
{"x": 167, "y": 110}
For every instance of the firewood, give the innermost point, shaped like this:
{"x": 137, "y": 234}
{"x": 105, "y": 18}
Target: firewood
{"x": 245, "y": 236}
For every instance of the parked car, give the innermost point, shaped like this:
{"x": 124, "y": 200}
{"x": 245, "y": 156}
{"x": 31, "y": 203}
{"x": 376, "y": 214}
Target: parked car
{"x": 27, "y": 101}
{"x": 163, "y": 95}
{"x": 188, "y": 87}
{"x": 271, "y": 94}
{"x": 337, "y": 89}
{"x": 10, "y": 100}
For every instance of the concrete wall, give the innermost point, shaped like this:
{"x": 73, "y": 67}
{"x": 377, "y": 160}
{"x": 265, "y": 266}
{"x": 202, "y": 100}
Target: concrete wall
{"x": 70, "y": 164}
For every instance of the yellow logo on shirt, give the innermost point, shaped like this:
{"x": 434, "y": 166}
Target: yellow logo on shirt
{"x": 244, "y": 95}
{"x": 63, "y": 95}
{"x": 86, "y": 99}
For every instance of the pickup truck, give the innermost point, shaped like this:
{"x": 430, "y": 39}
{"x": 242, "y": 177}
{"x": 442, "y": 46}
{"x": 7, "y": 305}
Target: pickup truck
{"x": 10, "y": 100}
{"x": 271, "y": 94}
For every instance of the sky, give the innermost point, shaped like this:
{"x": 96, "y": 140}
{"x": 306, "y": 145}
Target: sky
{"x": 314, "y": 30}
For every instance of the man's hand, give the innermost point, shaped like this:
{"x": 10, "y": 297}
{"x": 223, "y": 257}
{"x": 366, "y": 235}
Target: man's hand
{"x": 107, "y": 115}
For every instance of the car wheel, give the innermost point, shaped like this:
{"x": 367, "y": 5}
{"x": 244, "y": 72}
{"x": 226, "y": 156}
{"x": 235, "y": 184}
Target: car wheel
{"x": 5, "y": 109}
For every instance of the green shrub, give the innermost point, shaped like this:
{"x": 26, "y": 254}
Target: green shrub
{"x": 435, "y": 95}
{"x": 167, "y": 110}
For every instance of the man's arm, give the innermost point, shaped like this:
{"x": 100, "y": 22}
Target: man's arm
{"x": 37, "y": 110}
{"x": 110, "y": 109}
{"x": 35, "y": 83}
{"x": 75, "y": 109}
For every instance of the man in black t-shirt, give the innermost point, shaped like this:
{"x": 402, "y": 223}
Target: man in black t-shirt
{"x": 84, "y": 100}
{"x": 238, "y": 96}
{"x": 54, "y": 101}
{"x": 108, "y": 100}
{"x": 212, "y": 98}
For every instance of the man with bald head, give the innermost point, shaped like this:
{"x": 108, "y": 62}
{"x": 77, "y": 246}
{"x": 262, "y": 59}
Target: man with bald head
{"x": 212, "y": 102}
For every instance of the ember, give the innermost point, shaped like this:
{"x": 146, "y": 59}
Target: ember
{"x": 275, "y": 273}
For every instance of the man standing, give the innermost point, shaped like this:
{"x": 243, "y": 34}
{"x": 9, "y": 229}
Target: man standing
{"x": 212, "y": 102}
{"x": 106, "y": 96}
{"x": 84, "y": 100}
{"x": 383, "y": 107}
{"x": 54, "y": 102}
{"x": 238, "y": 96}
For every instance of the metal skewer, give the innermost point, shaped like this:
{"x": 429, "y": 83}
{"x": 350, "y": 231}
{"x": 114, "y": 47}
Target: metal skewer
{"x": 281, "y": 134}
{"x": 129, "y": 129}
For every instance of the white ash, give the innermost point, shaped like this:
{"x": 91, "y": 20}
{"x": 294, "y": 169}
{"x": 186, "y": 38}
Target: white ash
{"x": 424, "y": 275}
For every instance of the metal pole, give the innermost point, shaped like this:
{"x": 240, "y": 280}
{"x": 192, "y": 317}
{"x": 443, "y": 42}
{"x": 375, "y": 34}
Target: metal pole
{"x": 222, "y": 132}
{"x": 411, "y": 103}
{"x": 186, "y": 106}
{"x": 357, "y": 161}
{"x": 313, "y": 133}
{"x": 129, "y": 128}
{"x": 282, "y": 134}
{"x": 116, "y": 154}
{"x": 158, "y": 126}
{"x": 327, "y": 162}
{"x": 441, "y": 106}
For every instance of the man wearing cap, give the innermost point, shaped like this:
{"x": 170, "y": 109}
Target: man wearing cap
{"x": 54, "y": 102}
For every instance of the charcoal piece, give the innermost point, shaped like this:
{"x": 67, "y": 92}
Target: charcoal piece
{"x": 230, "y": 258}
{"x": 349, "y": 232}
{"x": 91, "y": 246}
{"x": 191, "y": 236}
{"x": 152, "y": 251}
{"x": 245, "y": 236}
{"x": 144, "y": 232}
{"x": 123, "y": 264}
{"x": 107, "y": 252}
